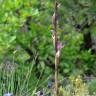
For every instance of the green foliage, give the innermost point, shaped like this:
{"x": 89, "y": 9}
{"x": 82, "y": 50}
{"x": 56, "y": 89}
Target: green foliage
{"x": 92, "y": 86}
{"x": 25, "y": 36}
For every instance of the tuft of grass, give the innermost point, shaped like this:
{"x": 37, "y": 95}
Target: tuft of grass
{"x": 19, "y": 79}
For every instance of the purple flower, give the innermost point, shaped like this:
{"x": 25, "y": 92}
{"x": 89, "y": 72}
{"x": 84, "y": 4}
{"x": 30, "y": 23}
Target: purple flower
{"x": 59, "y": 45}
{"x": 8, "y": 94}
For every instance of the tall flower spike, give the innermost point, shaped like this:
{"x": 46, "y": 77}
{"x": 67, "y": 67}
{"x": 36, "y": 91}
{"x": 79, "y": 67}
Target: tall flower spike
{"x": 57, "y": 45}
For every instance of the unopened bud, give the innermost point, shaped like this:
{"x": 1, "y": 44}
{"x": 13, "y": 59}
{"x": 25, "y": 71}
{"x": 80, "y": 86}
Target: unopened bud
{"x": 58, "y": 6}
{"x": 53, "y": 38}
{"x": 54, "y": 19}
{"x": 52, "y": 31}
{"x": 58, "y": 53}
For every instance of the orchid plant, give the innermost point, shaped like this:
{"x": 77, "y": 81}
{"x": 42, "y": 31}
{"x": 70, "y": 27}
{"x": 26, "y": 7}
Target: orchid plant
{"x": 57, "y": 45}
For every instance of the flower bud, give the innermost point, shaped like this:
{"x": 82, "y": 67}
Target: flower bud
{"x": 54, "y": 19}
{"x": 58, "y": 53}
